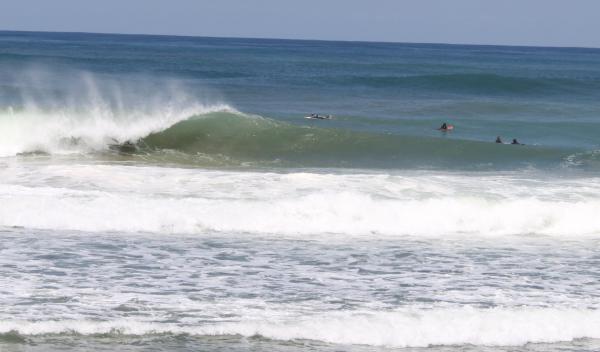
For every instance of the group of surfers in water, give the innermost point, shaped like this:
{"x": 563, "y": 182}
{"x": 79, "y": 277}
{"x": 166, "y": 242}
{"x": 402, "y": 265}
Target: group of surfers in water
{"x": 447, "y": 127}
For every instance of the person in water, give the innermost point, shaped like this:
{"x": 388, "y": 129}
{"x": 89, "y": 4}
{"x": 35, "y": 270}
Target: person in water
{"x": 446, "y": 127}
{"x": 498, "y": 140}
{"x": 515, "y": 141}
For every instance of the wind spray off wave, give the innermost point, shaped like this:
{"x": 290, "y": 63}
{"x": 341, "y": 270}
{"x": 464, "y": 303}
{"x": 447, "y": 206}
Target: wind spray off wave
{"x": 174, "y": 124}
{"x": 198, "y": 210}
{"x": 87, "y": 112}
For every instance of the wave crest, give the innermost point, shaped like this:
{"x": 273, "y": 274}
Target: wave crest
{"x": 71, "y": 112}
{"x": 90, "y": 113}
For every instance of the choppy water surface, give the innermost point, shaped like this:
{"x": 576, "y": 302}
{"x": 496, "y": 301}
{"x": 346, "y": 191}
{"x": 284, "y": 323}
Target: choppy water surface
{"x": 394, "y": 292}
{"x": 167, "y": 194}
{"x": 117, "y": 254}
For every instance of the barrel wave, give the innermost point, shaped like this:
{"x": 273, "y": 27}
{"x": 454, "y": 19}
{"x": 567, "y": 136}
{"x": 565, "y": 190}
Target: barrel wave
{"x": 168, "y": 194}
{"x": 238, "y": 139}
{"x": 217, "y": 135}
{"x": 93, "y": 114}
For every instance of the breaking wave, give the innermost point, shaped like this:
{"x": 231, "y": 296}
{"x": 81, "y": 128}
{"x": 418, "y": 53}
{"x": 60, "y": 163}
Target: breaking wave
{"x": 219, "y": 135}
{"x": 91, "y": 114}
{"x": 156, "y": 200}
{"x": 77, "y": 112}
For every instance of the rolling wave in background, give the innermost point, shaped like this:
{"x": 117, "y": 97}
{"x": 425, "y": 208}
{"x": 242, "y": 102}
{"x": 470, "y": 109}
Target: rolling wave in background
{"x": 90, "y": 114}
{"x": 217, "y": 135}
{"x": 167, "y": 193}
{"x": 477, "y": 83}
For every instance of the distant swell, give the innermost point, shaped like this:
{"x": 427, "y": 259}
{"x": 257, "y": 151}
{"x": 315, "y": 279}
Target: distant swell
{"x": 474, "y": 83}
{"x": 402, "y": 328}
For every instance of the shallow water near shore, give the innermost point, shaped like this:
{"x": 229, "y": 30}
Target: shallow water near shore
{"x": 167, "y": 194}
{"x": 239, "y": 291}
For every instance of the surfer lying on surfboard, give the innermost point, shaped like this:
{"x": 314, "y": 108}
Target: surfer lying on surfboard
{"x": 319, "y": 117}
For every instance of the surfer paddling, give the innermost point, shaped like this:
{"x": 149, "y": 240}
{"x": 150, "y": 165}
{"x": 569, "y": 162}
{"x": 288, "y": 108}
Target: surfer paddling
{"x": 446, "y": 127}
{"x": 318, "y": 117}
{"x": 514, "y": 141}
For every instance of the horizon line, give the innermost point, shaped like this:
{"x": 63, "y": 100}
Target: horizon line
{"x": 300, "y": 39}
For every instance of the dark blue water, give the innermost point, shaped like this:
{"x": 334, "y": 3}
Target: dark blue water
{"x": 167, "y": 194}
{"x": 542, "y": 96}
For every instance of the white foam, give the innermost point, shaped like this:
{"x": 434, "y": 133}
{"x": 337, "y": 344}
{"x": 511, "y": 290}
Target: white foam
{"x": 408, "y": 327}
{"x": 62, "y": 132}
{"x": 163, "y": 200}
{"x": 91, "y": 112}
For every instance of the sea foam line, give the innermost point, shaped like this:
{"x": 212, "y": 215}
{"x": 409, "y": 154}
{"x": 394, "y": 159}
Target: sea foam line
{"x": 341, "y": 212}
{"x": 113, "y": 198}
{"x": 402, "y": 328}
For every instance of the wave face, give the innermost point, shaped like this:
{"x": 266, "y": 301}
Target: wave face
{"x": 217, "y": 135}
{"x": 92, "y": 115}
{"x": 86, "y": 112}
{"x": 167, "y": 192}
{"x": 386, "y": 112}
{"x": 237, "y": 139}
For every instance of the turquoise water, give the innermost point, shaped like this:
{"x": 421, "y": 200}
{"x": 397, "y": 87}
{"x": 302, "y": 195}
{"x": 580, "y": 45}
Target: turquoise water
{"x": 387, "y": 99}
{"x": 167, "y": 193}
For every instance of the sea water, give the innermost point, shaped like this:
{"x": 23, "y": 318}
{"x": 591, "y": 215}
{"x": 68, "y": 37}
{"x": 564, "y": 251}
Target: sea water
{"x": 234, "y": 223}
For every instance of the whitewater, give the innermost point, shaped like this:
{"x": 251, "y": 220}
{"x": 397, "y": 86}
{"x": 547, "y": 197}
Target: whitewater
{"x": 165, "y": 193}
{"x": 75, "y": 196}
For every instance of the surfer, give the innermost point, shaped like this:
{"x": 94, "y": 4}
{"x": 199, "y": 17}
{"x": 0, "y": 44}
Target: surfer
{"x": 125, "y": 147}
{"x": 446, "y": 127}
{"x": 319, "y": 117}
{"x": 498, "y": 140}
{"x": 515, "y": 141}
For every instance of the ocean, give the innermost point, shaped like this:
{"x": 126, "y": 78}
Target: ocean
{"x": 166, "y": 193}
